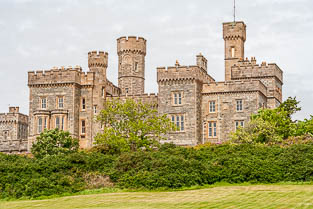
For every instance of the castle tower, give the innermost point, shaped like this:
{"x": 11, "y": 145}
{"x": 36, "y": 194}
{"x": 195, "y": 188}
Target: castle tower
{"x": 234, "y": 34}
{"x": 98, "y": 62}
{"x": 131, "y": 64}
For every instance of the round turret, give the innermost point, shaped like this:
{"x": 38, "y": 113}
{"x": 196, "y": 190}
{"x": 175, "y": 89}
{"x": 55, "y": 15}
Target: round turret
{"x": 131, "y": 44}
{"x": 97, "y": 59}
{"x": 131, "y": 69}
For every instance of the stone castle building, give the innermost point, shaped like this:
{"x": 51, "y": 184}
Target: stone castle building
{"x": 203, "y": 109}
{"x": 13, "y": 131}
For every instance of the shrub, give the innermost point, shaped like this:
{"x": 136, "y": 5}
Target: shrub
{"x": 53, "y": 142}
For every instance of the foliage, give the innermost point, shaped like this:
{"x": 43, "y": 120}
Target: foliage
{"x": 168, "y": 167}
{"x": 273, "y": 125}
{"x": 131, "y": 125}
{"x": 53, "y": 142}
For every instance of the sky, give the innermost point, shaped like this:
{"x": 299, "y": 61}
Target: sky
{"x": 41, "y": 34}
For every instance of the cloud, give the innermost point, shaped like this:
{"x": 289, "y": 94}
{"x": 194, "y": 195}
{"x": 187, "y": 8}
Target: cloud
{"x": 42, "y": 34}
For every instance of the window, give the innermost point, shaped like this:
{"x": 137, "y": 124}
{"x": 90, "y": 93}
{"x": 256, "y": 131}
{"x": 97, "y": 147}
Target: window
{"x": 5, "y": 133}
{"x": 212, "y": 132}
{"x": 126, "y": 90}
{"x": 45, "y": 123}
{"x": 83, "y": 103}
{"x": 239, "y": 105}
{"x": 62, "y": 123}
{"x": 60, "y": 102}
{"x": 102, "y": 92}
{"x": 239, "y": 123}
{"x": 57, "y": 122}
{"x": 39, "y": 125}
{"x": 177, "y": 98}
{"x": 179, "y": 121}
{"x": 43, "y": 103}
{"x": 95, "y": 109}
{"x": 83, "y": 127}
{"x": 233, "y": 52}
{"x": 182, "y": 123}
{"x": 136, "y": 67}
{"x": 212, "y": 106}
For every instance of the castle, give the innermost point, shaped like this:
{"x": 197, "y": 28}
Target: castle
{"x": 203, "y": 109}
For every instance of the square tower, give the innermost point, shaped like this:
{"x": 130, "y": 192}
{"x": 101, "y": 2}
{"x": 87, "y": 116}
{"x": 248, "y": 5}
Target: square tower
{"x": 234, "y": 34}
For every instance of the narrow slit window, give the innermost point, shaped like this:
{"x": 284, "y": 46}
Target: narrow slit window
{"x": 136, "y": 66}
{"x": 83, "y": 130}
{"x": 182, "y": 124}
{"x": 212, "y": 106}
{"x": 233, "y": 52}
{"x": 57, "y": 122}
{"x": 39, "y": 125}
{"x": 83, "y": 104}
{"x": 45, "y": 123}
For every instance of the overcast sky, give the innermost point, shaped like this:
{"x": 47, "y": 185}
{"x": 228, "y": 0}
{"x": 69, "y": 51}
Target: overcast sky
{"x": 40, "y": 34}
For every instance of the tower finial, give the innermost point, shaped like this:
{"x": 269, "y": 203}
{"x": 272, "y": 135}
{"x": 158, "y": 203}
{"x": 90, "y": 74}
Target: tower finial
{"x": 234, "y": 12}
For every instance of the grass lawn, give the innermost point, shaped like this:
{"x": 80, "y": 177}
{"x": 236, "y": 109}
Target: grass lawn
{"x": 255, "y": 196}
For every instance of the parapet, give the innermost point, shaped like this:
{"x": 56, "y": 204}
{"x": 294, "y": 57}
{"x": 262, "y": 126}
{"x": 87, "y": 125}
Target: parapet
{"x": 234, "y": 87}
{"x": 60, "y": 76}
{"x": 131, "y": 44}
{"x": 14, "y": 109}
{"x": 183, "y": 73}
{"x": 97, "y": 59}
{"x": 246, "y": 69}
{"x": 144, "y": 98}
{"x": 13, "y": 116}
{"x": 234, "y": 30}
{"x": 111, "y": 89}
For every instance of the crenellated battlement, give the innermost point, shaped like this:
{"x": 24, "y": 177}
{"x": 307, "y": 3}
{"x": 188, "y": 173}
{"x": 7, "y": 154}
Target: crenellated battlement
{"x": 151, "y": 98}
{"x": 245, "y": 69}
{"x": 183, "y": 73}
{"x": 111, "y": 89}
{"x": 13, "y": 117}
{"x": 234, "y": 86}
{"x": 61, "y": 75}
{"x": 97, "y": 59}
{"x": 131, "y": 44}
{"x": 233, "y": 31}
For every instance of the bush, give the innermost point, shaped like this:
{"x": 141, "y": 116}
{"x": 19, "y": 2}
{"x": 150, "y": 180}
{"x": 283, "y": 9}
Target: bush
{"x": 54, "y": 142}
{"x": 168, "y": 167}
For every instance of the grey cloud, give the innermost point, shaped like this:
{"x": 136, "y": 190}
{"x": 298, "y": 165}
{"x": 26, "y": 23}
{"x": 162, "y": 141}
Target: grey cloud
{"x": 40, "y": 34}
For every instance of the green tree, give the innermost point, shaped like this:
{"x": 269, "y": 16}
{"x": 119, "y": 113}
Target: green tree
{"x": 270, "y": 125}
{"x": 54, "y": 142}
{"x": 130, "y": 125}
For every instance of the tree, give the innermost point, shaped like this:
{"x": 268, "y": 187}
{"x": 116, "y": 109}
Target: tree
{"x": 130, "y": 125}
{"x": 54, "y": 142}
{"x": 270, "y": 125}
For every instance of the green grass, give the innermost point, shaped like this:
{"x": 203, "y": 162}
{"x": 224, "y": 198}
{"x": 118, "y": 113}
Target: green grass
{"x": 246, "y": 196}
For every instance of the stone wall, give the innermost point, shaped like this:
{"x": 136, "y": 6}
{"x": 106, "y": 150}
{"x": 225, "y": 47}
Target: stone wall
{"x": 13, "y": 131}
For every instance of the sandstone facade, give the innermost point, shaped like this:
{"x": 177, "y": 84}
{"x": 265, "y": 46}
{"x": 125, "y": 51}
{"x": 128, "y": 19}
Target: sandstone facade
{"x": 13, "y": 131}
{"x": 204, "y": 110}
